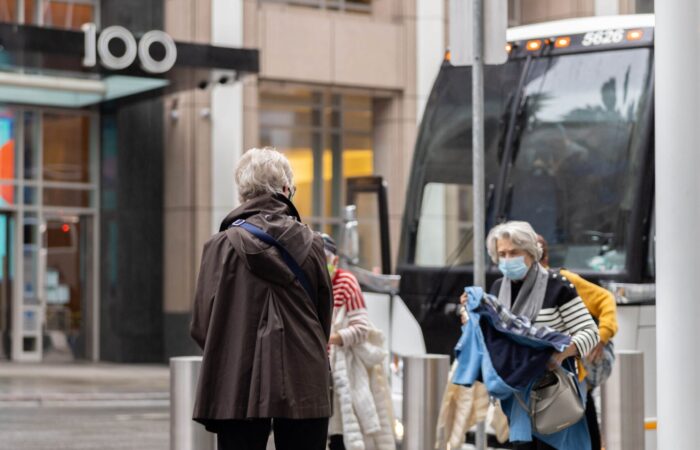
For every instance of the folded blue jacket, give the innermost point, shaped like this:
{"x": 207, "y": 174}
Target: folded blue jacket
{"x": 508, "y": 354}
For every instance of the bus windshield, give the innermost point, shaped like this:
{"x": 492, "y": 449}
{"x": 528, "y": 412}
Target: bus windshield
{"x": 575, "y": 169}
{"x": 440, "y": 196}
{"x": 575, "y": 164}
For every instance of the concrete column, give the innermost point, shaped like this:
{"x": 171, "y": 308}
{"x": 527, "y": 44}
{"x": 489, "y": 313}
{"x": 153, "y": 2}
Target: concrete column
{"x": 187, "y": 175}
{"x": 677, "y": 209}
{"x": 430, "y": 47}
{"x": 226, "y": 113}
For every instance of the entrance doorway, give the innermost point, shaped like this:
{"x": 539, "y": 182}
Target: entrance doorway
{"x": 68, "y": 288}
{"x": 49, "y": 318}
{"x": 48, "y": 234}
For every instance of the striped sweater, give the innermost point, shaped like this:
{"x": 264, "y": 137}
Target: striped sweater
{"x": 564, "y": 311}
{"x": 347, "y": 295}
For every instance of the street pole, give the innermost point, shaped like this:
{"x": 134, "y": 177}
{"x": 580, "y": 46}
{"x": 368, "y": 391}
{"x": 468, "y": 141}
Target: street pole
{"x": 677, "y": 185}
{"x": 479, "y": 222}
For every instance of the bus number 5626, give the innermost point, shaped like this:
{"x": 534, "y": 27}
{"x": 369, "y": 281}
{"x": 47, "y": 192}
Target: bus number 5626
{"x": 603, "y": 37}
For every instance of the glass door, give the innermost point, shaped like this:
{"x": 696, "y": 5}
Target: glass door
{"x": 68, "y": 286}
{"x": 7, "y": 278}
{"x": 48, "y": 189}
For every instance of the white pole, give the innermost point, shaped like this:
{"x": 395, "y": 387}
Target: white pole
{"x": 678, "y": 217}
{"x": 478, "y": 164}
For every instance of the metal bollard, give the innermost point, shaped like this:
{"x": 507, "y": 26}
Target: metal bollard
{"x": 424, "y": 379}
{"x": 623, "y": 402}
{"x": 186, "y": 434}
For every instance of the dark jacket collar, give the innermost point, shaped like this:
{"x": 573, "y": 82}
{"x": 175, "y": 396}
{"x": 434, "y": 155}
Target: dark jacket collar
{"x": 268, "y": 203}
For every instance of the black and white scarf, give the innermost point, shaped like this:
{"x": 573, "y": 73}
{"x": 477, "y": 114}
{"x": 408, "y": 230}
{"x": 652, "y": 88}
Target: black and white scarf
{"x": 531, "y": 295}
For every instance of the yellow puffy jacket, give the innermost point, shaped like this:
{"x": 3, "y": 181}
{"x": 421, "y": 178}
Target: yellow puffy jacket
{"x": 600, "y": 303}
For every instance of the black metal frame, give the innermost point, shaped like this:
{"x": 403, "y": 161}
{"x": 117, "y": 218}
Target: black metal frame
{"x": 640, "y": 213}
{"x": 374, "y": 185}
{"x": 431, "y": 292}
{"x": 58, "y": 49}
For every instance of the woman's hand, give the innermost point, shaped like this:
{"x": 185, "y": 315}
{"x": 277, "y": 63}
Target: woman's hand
{"x": 335, "y": 339}
{"x": 597, "y": 352}
{"x": 463, "y": 317}
{"x": 559, "y": 357}
{"x": 463, "y": 298}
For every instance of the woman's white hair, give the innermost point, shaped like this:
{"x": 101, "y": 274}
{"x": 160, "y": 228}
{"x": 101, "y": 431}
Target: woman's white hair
{"x": 261, "y": 171}
{"x": 520, "y": 233}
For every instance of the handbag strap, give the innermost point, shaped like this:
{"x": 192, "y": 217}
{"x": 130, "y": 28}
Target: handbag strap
{"x": 524, "y": 406}
{"x": 288, "y": 259}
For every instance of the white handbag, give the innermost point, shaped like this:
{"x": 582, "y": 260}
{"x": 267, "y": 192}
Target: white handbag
{"x": 555, "y": 403}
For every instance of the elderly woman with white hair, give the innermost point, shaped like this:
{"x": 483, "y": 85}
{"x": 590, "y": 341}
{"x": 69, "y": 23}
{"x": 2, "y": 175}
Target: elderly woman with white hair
{"x": 262, "y": 316}
{"x": 546, "y": 298}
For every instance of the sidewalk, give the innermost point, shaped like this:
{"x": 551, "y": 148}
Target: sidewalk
{"x": 58, "y": 384}
{"x": 84, "y": 406}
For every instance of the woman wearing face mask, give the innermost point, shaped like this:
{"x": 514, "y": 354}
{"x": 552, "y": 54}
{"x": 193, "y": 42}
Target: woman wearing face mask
{"x": 546, "y": 298}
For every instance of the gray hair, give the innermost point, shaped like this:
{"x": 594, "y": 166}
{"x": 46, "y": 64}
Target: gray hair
{"x": 262, "y": 170}
{"x": 520, "y": 233}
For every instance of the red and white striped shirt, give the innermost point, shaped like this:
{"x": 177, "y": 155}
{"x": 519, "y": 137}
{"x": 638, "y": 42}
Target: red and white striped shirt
{"x": 347, "y": 294}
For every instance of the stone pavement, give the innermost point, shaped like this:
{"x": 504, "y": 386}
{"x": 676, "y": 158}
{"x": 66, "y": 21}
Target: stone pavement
{"x": 83, "y": 406}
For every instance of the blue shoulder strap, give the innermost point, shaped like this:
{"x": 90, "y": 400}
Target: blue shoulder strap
{"x": 288, "y": 259}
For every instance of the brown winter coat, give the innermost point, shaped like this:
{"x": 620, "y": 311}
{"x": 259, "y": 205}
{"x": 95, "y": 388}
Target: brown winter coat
{"x": 264, "y": 340}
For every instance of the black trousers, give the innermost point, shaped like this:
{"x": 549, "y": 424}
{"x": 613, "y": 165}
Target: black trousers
{"x": 336, "y": 442}
{"x": 290, "y": 434}
{"x": 592, "y": 421}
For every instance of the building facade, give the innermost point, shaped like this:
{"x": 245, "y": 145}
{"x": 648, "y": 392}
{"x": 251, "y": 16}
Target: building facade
{"x": 111, "y": 182}
{"x": 341, "y": 89}
{"x": 83, "y": 133}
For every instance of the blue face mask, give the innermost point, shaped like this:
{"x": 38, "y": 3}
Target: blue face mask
{"x": 513, "y": 268}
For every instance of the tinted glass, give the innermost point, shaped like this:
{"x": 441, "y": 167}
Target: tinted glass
{"x": 442, "y": 168}
{"x": 66, "y": 148}
{"x": 327, "y": 138}
{"x": 573, "y": 175}
{"x": 66, "y": 14}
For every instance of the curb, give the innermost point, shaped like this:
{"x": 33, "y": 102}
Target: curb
{"x": 93, "y": 399}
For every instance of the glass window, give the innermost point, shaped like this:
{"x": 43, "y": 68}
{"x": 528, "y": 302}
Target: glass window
{"x": 573, "y": 176}
{"x": 32, "y": 131}
{"x": 644, "y": 7}
{"x": 66, "y": 148}
{"x": 445, "y": 227}
{"x": 442, "y": 171}
{"x": 70, "y": 14}
{"x": 67, "y": 14}
{"x": 358, "y": 120}
{"x": 297, "y": 147}
{"x": 8, "y": 11}
{"x": 514, "y": 14}
{"x": 67, "y": 197}
{"x": 338, "y": 5}
{"x": 8, "y": 161}
{"x": 327, "y": 138}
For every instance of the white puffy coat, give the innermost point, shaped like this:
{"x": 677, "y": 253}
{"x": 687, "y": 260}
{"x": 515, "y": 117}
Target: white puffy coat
{"x": 362, "y": 412}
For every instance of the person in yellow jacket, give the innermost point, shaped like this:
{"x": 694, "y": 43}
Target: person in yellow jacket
{"x": 601, "y": 304}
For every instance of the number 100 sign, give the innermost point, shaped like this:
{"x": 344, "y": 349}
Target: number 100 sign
{"x": 95, "y": 46}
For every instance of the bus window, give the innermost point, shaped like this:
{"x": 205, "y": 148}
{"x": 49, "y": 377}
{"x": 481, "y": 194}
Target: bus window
{"x": 440, "y": 187}
{"x": 574, "y": 174}
{"x": 445, "y": 227}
